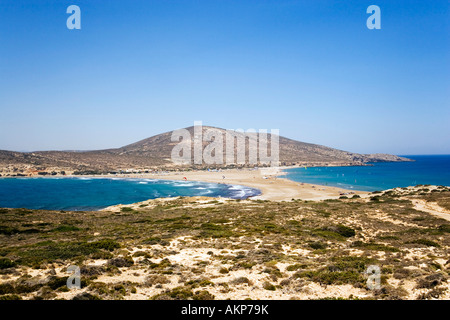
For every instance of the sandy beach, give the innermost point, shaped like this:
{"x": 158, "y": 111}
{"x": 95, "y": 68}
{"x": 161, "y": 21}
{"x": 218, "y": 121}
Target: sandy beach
{"x": 270, "y": 181}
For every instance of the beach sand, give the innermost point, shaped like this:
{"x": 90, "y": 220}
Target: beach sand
{"x": 269, "y": 181}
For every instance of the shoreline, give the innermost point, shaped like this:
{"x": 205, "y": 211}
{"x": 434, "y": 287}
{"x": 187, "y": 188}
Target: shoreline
{"x": 266, "y": 180}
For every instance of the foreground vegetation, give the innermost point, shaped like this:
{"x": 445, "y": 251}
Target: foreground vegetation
{"x": 202, "y": 248}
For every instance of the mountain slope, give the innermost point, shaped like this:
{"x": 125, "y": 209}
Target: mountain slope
{"x": 155, "y": 153}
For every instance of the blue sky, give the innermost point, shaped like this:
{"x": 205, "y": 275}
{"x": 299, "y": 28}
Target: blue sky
{"x": 309, "y": 68}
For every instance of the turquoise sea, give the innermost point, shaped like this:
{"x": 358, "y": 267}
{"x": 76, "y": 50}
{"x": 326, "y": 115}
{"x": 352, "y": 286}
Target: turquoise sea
{"x": 97, "y": 193}
{"x": 426, "y": 169}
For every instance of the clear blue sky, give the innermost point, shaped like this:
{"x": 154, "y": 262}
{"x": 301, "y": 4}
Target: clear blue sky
{"x": 309, "y": 68}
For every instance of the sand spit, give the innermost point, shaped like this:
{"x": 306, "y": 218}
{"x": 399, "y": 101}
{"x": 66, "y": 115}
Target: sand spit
{"x": 269, "y": 181}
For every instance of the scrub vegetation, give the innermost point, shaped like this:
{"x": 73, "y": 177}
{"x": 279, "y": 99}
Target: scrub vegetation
{"x": 192, "y": 248}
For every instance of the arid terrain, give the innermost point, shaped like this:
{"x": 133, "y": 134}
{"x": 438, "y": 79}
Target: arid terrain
{"x": 154, "y": 154}
{"x": 206, "y": 248}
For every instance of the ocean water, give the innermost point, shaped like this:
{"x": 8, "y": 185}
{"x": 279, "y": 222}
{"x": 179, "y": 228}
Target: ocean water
{"x": 98, "y": 193}
{"x": 426, "y": 169}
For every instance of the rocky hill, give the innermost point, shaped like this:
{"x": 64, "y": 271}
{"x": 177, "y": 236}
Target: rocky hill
{"x": 154, "y": 153}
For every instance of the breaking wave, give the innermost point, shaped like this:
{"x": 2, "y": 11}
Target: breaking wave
{"x": 86, "y": 193}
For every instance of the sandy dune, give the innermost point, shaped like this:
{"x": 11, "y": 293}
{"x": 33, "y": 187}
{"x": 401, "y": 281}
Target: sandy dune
{"x": 432, "y": 208}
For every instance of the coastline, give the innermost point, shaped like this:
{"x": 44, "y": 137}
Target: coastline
{"x": 268, "y": 180}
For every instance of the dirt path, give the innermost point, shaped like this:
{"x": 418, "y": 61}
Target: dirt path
{"x": 431, "y": 207}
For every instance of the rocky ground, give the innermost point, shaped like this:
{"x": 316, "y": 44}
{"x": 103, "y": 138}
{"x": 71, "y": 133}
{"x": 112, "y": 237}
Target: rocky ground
{"x": 204, "y": 248}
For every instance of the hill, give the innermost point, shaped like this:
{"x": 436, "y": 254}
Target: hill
{"x": 154, "y": 153}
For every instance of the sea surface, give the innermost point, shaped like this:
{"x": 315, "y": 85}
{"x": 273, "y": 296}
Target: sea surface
{"x": 97, "y": 193}
{"x": 426, "y": 169}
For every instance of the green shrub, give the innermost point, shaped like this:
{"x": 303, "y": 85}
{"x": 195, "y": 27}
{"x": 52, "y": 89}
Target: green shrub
{"x": 203, "y": 295}
{"x": 294, "y": 267}
{"x": 426, "y": 242}
{"x": 211, "y": 230}
{"x": 101, "y": 254}
{"x": 430, "y": 281}
{"x": 241, "y": 280}
{"x": 345, "y": 231}
{"x": 199, "y": 283}
{"x": 142, "y": 254}
{"x": 268, "y": 286}
{"x": 374, "y": 246}
{"x": 324, "y": 213}
{"x": 332, "y": 277}
{"x": 318, "y": 245}
{"x": 339, "y": 232}
{"x": 156, "y": 240}
{"x": 7, "y": 288}
{"x": 42, "y": 252}
{"x": 57, "y": 282}
{"x": 48, "y": 251}
{"x": 352, "y": 262}
{"x": 6, "y": 263}
{"x": 178, "y": 293}
{"x": 8, "y": 230}
{"x": 121, "y": 262}
{"x": 165, "y": 263}
{"x": 107, "y": 244}
{"x": 65, "y": 228}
